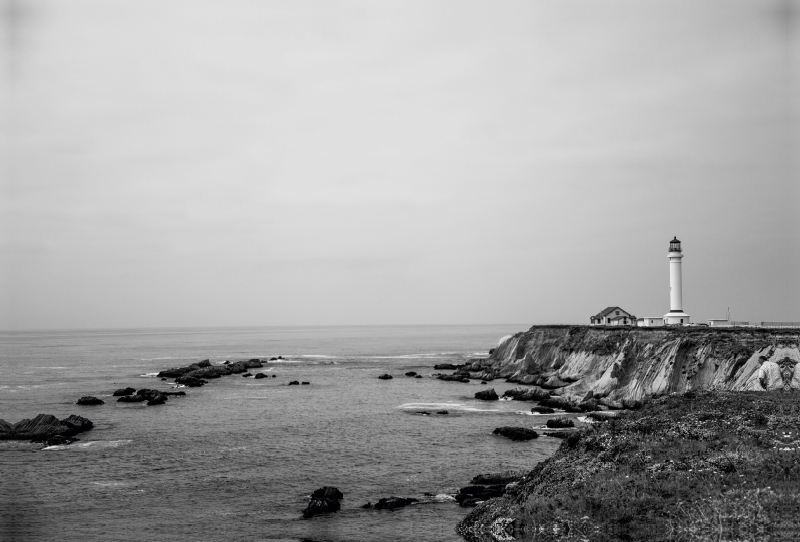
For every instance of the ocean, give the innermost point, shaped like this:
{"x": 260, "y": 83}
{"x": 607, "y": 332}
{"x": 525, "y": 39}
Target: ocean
{"x": 238, "y": 458}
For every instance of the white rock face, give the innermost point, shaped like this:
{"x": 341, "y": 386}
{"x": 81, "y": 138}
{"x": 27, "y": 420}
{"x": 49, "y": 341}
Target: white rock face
{"x": 632, "y": 364}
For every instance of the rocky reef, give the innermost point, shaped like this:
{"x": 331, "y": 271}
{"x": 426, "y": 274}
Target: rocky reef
{"x": 621, "y": 367}
{"x": 45, "y": 428}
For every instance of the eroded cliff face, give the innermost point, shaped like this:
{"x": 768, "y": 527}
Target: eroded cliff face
{"x": 631, "y": 364}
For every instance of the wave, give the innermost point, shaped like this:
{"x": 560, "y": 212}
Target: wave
{"x": 149, "y": 375}
{"x": 91, "y": 444}
{"x": 49, "y": 367}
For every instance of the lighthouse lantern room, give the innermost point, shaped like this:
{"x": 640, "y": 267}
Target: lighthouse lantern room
{"x": 675, "y": 316}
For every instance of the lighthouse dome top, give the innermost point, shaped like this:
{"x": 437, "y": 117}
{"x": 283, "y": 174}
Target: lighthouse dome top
{"x": 674, "y": 245}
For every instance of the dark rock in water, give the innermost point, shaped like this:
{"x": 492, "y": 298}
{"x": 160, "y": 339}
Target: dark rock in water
{"x": 393, "y": 503}
{"x": 211, "y": 372}
{"x": 442, "y": 412}
{"x": 448, "y": 366}
{"x": 280, "y": 357}
{"x": 526, "y": 393}
{"x": 305, "y": 383}
{"x": 59, "y": 440}
{"x": 559, "y": 434}
{"x": 418, "y": 376}
{"x": 472, "y": 495}
{"x": 271, "y": 359}
{"x": 245, "y": 375}
{"x": 557, "y": 423}
{"x": 385, "y": 377}
{"x": 543, "y": 410}
{"x": 324, "y": 500}
{"x": 453, "y": 378}
{"x": 555, "y": 402}
{"x": 260, "y": 375}
{"x": 126, "y": 391}
{"x": 516, "y": 433}
{"x": 368, "y": 505}
{"x": 204, "y": 363}
{"x": 589, "y": 405}
{"x": 274, "y": 376}
{"x": 496, "y": 478}
{"x": 226, "y": 362}
{"x": 484, "y": 382}
{"x": 294, "y": 383}
{"x": 411, "y": 373}
{"x": 254, "y": 359}
{"x": 131, "y": 399}
{"x": 43, "y": 427}
{"x": 163, "y": 379}
{"x": 572, "y": 408}
{"x": 154, "y": 397}
{"x": 190, "y": 381}
{"x": 487, "y": 395}
{"x": 89, "y": 400}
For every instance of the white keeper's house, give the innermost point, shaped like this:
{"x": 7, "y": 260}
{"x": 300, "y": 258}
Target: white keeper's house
{"x": 613, "y": 316}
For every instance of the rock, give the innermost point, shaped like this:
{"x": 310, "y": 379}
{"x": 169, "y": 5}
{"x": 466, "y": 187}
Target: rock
{"x": 305, "y": 383}
{"x": 559, "y": 434}
{"x": 43, "y": 427}
{"x": 89, "y": 400}
{"x": 442, "y": 412}
{"x": 154, "y": 397}
{"x": 274, "y": 376}
{"x": 484, "y": 382}
{"x": 525, "y": 393}
{"x": 131, "y": 399}
{"x": 245, "y": 375}
{"x": 472, "y": 495}
{"x": 496, "y": 478}
{"x": 123, "y": 392}
{"x": 59, "y": 440}
{"x": 411, "y": 373}
{"x": 385, "y": 377}
{"x": 448, "y": 366}
{"x": 260, "y": 375}
{"x": 632, "y": 404}
{"x": 557, "y": 423}
{"x": 555, "y": 402}
{"x": 454, "y": 378}
{"x": 163, "y": 379}
{"x": 516, "y": 433}
{"x": 294, "y": 383}
{"x": 273, "y": 359}
{"x": 487, "y": 395}
{"x": 543, "y": 410}
{"x": 393, "y": 503}
{"x": 157, "y": 401}
{"x": 368, "y": 505}
{"x": 190, "y": 381}
{"x": 324, "y": 500}
{"x": 226, "y": 362}
{"x": 554, "y": 382}
{"x": 418, "y": 376}
{"x": 211, "y": 372}
{"x": 589, "y": 405}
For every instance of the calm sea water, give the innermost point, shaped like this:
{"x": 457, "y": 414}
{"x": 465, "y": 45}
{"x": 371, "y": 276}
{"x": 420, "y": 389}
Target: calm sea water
{"x": 237, "y": 459}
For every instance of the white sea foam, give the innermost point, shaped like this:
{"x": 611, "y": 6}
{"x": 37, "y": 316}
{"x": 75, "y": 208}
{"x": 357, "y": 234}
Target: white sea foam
{"x": 444, "y": 497}
{"x": 324, "y": 356}
{"x": 89, "y": 445}
{"x": 149, "y": 375}
{"x": 109, "y": 484}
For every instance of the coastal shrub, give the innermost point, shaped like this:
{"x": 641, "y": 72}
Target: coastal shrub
{"x": 701, "y": 466}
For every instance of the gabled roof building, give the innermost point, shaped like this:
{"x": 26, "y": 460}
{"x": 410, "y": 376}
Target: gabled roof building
{"x": 613, "y": 316}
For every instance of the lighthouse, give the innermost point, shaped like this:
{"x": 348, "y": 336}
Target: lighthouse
{"x": 675, "y": 316}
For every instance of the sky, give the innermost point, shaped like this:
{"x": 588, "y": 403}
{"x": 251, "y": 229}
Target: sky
{"x": 194, "y": 163}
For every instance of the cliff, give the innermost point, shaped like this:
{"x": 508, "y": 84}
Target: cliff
{"x": 625, "y": 365}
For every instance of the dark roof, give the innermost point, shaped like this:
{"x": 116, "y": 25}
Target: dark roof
{"x": 609, "y": 310}
{"x": 674, "y": 240}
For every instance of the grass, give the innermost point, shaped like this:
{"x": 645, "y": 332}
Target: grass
{"x": 699, "y": 466}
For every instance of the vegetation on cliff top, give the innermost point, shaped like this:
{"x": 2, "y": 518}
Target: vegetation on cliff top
{"x": 699, "y": 466}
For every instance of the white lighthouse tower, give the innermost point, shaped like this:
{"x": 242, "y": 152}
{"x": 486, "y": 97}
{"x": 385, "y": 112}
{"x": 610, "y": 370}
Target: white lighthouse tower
{"x": 675, "y": 316}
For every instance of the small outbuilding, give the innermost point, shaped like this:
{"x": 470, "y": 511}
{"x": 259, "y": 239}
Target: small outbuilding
{"x": 612, "y": 316}
{"x": 650, "y": 321}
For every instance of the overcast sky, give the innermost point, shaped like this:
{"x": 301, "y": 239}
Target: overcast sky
{"x": 191, "y": 163}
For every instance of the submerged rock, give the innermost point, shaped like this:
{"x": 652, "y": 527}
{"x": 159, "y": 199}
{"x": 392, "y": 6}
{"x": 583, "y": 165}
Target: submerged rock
{"x": 487, "y": 395}
{"x": 385, "y": 377}
{"x": 89, "y": 400}
{"x": 411, "y": 373}
{"x": 131, "y": 399}
{"x": 448, "y": 366}
{"x": 190, "y": 381}
{"x": 442, "y": 412}
{"x": 516, "y": 433}
{"x": 495, "y": 478}
{"x": 543, "y": 410}
{"x": 454, "y": 378}
{"x": 323, "y": 501}
{"x": 260, "y": 375}
{"x": 393, "y": 503}
{"x": 418, "y": 376}
{"x": 294, "y": 383}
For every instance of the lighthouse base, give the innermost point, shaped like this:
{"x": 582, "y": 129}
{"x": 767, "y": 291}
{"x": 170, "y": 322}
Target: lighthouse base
{"x": 676, "y": 318}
